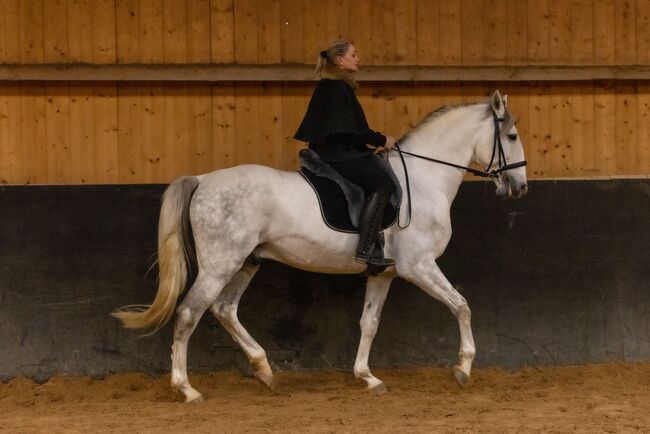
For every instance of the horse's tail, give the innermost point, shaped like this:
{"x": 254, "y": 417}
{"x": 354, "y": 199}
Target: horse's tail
{"x": 174, "y": 252}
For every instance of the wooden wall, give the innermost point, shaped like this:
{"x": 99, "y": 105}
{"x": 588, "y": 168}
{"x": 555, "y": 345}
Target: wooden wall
{"x": 73, "y": 133}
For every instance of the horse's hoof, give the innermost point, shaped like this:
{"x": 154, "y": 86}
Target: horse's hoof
{"x": 461, "y": 378}
{"x": 196, "y": 400}
{"x": 379, "y": 389}
{"x": 265, "y": 378}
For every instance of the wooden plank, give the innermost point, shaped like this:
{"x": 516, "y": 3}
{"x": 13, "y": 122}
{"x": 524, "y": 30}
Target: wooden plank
{"x": 270, "y": 123}
{"x": 516, "y": 32}
{"x": 428, "y": 35}
{"x": 643, "y": 123}
{"x": 291, "y": 18}
{"x": 198, "y": 31}
{"x": 604, "y": 32}
{"x": 31, "y": 31}
{"x": 80, "y": 31}
{"x": 519, "y": 106}
{"x": 625, "y": 32}
{"x": 11, "y": 170}
{"x": 151, "y": 31}
{"x": 82, "y": 137}
{"x": 269, "y": 32}
{"x": 127, "y": 19}
{"x": 57, "y": 121}
{"x": 129, "y": 134}
{"x": 295, "y": 98}
{"x": 337, "y": 14}
{"x": 106, "y": 133}
{"x": 246, "y": 32}
{"x": 405, "y": 32}
{"x": 315, "y": 20}
{"x": 626, "y": 129}
{"x": 582, "y": 40}
{"x": 582, "y": 131}
{"x": 283, "y": 72}
{"x": 175, "y": 31}
{"x": 34, "y": 145}
{"x": 539, "y": 32}
{"x": 401, "y": 108}
{"x": 560, "y": 31}
{"x": 223, "y": 125}
{"x": 383, "y": 28}
{"x": 540, "y": 134}
{"x": 200, "y": 129}
{"x": 361, "y": 29}
{"x": 10, "y": 31}
{"x": 154, "y": 131}
{"x": 450, "y": 31}
{"x": 605, "y": 127}
{"x": 472, "y": 31}
{"x": 561, "y": 152}
{"x": 104, "y": 31}
{"x": 643, "y": 32}
{"x": 247, "y": 119}
{"x": 177, "y": 121}
{"x": 494, "y": 24}
{"x": 222, "y": 31}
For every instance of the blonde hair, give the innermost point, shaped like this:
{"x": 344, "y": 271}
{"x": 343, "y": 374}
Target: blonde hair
{"x": 326, "y": 66}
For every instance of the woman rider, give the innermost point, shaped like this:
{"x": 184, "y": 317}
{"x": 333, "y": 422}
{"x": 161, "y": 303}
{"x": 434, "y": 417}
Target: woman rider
{"x": 336, "y": 129}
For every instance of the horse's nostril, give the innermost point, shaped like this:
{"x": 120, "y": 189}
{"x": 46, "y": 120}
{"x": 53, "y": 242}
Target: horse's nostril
{"x": 524, "y": 188}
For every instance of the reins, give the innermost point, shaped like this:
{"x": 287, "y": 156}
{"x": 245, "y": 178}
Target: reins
{"x": 497, "y": 150}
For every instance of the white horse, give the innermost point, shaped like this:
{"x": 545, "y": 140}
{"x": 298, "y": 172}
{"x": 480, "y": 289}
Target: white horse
{"x": 274, "y": 214}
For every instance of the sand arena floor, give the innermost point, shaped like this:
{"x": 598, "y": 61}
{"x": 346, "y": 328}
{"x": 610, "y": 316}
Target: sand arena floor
{"x": 593, "y": 398}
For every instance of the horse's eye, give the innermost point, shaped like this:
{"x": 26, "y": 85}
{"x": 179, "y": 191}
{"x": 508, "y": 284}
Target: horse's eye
{"x": 512, "y": 137}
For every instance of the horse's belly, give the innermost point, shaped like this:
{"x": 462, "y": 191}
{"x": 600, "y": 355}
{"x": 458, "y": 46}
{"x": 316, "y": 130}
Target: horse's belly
{"x": 313, "y": 256}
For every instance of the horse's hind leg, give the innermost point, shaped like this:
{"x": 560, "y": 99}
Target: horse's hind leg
{"x": 376, "y": 291}
{"x": 427, "y": 275}
{"x": 203, "y": 293}
{"x": 225, "y": 310}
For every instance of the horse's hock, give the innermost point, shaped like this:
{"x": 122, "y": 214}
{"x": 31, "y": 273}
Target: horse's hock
{"x": 557, "y": 277}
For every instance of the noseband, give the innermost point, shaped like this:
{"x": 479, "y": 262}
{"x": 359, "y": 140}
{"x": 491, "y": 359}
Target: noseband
{"x": 497, "y": 151}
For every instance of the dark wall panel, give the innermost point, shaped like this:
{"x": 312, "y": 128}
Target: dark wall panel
{"x": 560, "y": 276}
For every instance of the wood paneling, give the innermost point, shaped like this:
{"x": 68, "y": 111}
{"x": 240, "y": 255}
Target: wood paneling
{"x": 402, "y": 32}
{"x": 152, "y": 132}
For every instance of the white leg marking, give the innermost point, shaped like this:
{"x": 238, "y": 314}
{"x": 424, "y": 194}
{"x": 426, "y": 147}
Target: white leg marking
{"x": 203, "y": 293}
{"x": 225, "y": 310}
{"x": 376, "y": 292}
{"x": 427, "y": 275}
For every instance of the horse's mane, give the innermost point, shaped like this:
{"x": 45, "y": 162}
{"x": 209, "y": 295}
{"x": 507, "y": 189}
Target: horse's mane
{"x": 509, "y": 119}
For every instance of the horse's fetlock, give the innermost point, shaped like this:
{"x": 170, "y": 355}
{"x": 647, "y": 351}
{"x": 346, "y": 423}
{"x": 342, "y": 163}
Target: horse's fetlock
{"x": 361, "y": 372}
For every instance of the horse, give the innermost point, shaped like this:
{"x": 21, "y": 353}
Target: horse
{"x": 253, "y": 211}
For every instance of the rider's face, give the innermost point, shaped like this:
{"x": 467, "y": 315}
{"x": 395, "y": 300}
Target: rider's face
{"x": 349, "y": 61}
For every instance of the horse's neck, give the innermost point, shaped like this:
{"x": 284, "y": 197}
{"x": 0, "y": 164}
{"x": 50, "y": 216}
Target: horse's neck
{"x": 452, "y": 137}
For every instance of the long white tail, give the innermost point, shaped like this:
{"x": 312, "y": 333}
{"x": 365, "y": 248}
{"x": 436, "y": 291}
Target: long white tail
{"x": 174, "y": 250}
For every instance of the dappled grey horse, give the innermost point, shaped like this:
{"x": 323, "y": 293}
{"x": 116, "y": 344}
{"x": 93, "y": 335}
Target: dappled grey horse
{"x": 256, "y": 210}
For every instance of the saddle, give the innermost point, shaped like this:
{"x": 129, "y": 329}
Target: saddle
{"x": 341, "y": 201}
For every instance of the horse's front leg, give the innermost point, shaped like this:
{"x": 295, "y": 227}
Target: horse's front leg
{"x": 376, "y": 291}
{"x": 427, "y": 275}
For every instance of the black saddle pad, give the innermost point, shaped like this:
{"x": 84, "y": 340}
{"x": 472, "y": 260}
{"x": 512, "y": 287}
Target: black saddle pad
{"x": 334, "y": 207}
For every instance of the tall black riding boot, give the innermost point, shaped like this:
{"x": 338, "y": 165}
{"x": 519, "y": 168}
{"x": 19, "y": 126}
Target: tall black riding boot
{"x": 369, "y": 248}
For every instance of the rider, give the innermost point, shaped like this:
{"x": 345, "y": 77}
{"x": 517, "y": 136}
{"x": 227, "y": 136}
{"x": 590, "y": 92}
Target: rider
{"x": 336, "y": 129}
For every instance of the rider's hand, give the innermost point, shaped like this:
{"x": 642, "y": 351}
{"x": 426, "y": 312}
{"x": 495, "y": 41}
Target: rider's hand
{"x": 390, "y": 142}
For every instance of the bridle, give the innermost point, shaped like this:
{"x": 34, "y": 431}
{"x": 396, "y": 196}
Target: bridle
{"x": 497, "y": 151}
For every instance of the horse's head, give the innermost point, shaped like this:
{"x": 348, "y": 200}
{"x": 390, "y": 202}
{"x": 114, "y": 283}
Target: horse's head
{"x": 503, "y": 147}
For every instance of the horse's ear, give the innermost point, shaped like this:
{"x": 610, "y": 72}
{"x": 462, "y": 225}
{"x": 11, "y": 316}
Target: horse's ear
{"x": 505, "y": 101}
{"x": 498, "y": 105}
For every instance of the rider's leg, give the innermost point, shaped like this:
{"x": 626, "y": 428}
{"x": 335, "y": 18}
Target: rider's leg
{"x": 378, "y": 187}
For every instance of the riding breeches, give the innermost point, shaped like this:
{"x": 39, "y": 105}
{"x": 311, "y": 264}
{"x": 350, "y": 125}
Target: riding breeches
{"x": 366, "y": 173}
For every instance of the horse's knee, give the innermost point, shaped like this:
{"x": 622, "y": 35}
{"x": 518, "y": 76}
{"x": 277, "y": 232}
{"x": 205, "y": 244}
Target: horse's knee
{"x": 463, "y": 313}
{"x": 225, "y": 311}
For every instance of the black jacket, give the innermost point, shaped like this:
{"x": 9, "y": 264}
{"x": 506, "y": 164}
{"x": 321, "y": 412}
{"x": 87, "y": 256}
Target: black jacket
{"x": 335, "y": 126}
